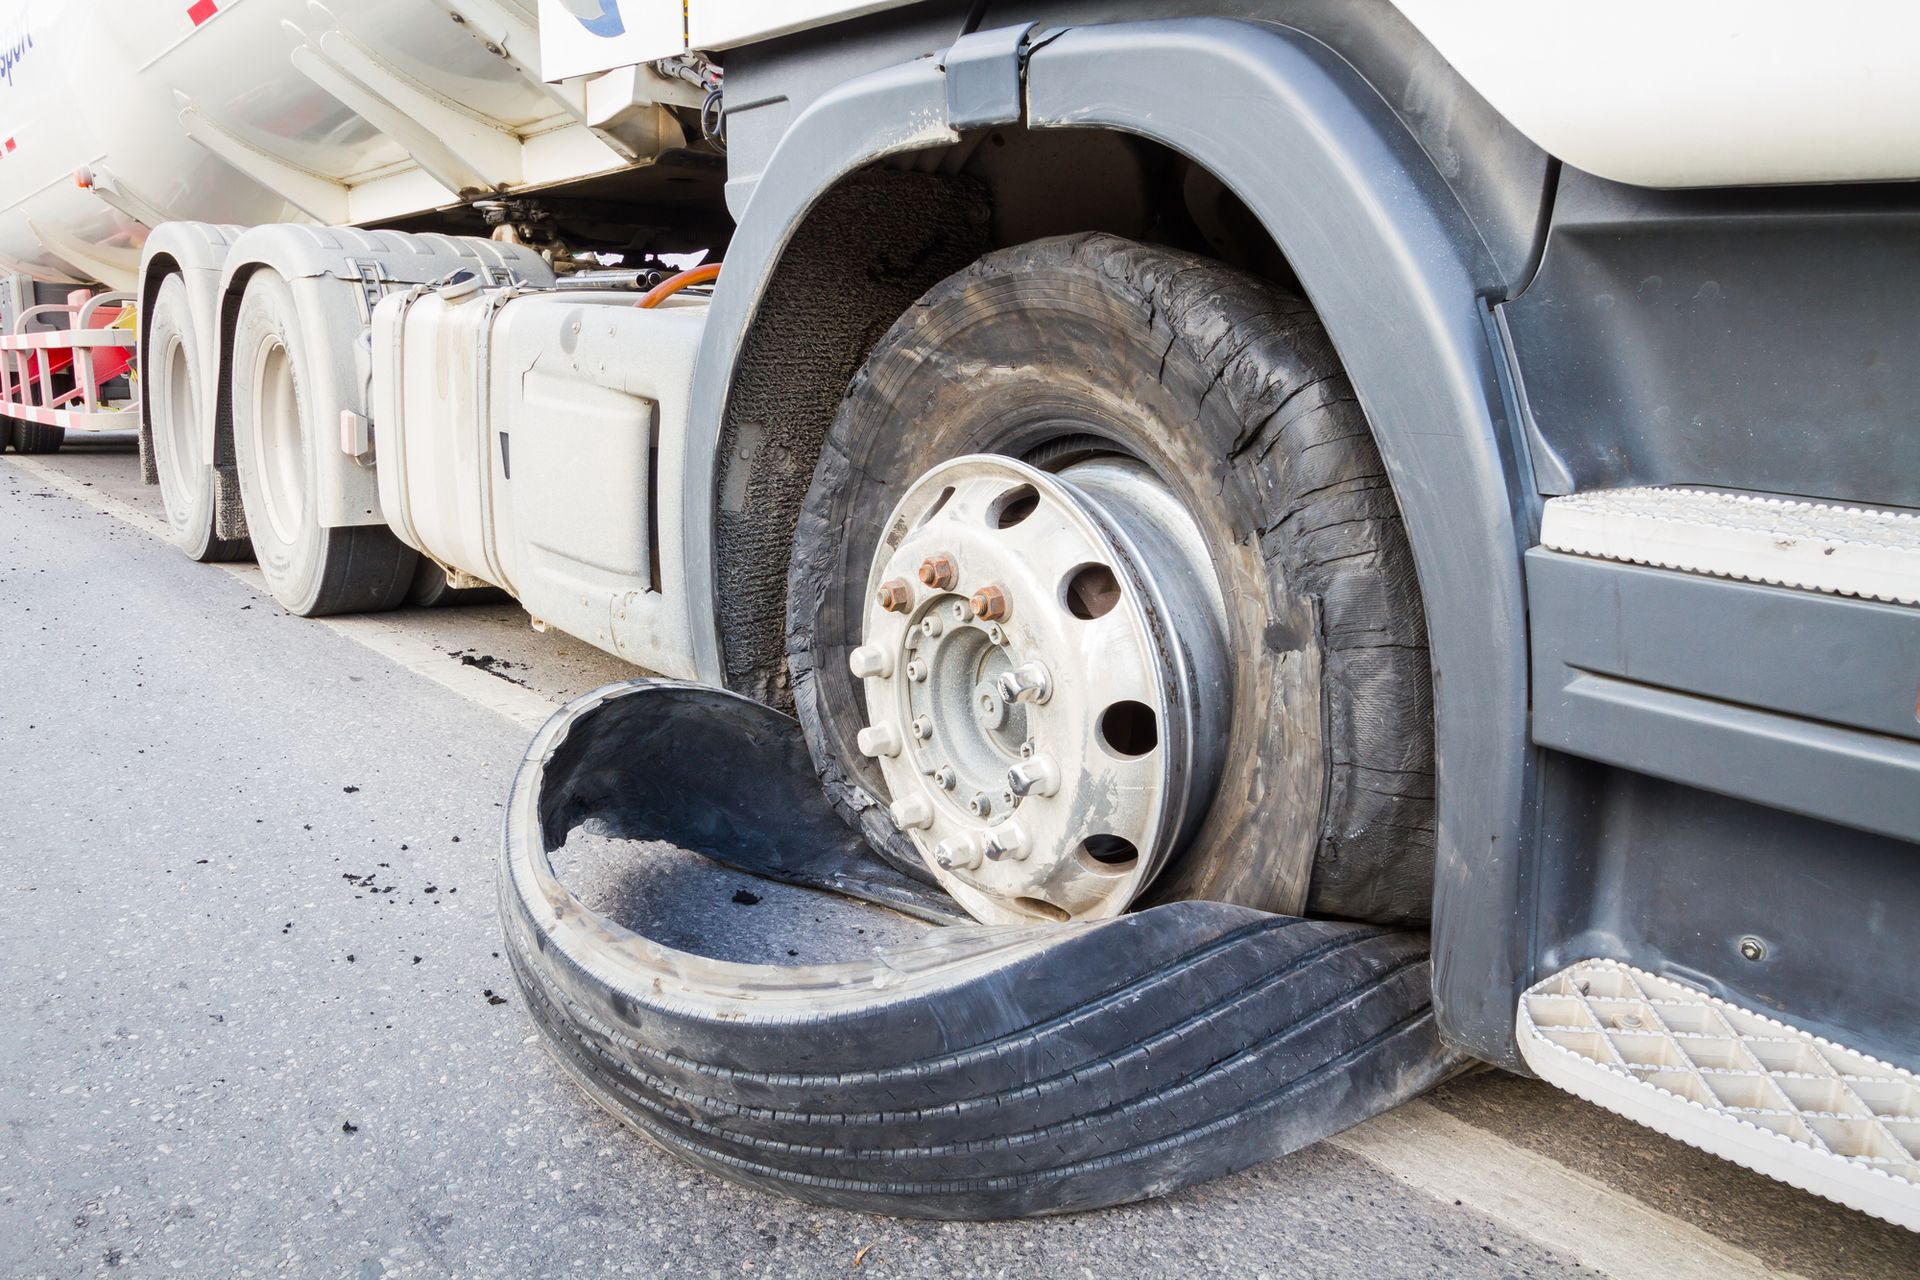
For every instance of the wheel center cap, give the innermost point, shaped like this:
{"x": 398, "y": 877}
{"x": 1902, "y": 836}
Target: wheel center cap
{"x": 1045, "y": 680}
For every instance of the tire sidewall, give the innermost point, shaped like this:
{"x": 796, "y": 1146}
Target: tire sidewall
{"x": 268, "y": 314}
{"x": 185, "y": 474}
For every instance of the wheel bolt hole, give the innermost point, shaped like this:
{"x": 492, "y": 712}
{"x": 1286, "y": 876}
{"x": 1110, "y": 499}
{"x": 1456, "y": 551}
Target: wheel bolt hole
{"x": 1013, "y": 506}
{"x": 1110, "y": 850}
{"x": 1129, "y": 728}
{"x": 1091, "y": 591}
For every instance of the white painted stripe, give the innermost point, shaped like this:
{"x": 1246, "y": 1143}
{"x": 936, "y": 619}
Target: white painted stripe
{"x": 1566, "y": 1211}
{"x": 396, "y": 644}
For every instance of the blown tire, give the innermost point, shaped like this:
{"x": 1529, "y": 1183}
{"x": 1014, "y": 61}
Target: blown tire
{"x": 983, "y": 1073}
{"x": 1229, "y": 391}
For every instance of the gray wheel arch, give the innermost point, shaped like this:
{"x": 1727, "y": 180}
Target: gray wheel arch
{"x": 1398, "y": 274}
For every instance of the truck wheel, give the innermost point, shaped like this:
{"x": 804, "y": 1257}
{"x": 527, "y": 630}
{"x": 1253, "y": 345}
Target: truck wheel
{"x": 278, "y": 424}
{"x": 174, "y": 400}
{"x": 34, "y": 437}
{"x": 1196, "y": 423}
{"x": 6, "y": 434}
{"x": 430, "y": 590}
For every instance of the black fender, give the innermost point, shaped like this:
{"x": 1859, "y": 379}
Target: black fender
{"x": 1400, "y": 277}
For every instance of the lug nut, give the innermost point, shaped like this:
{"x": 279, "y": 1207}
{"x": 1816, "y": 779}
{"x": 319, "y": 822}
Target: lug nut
{"x": 923, "y": 727}
{"x": 879, "y": 740}
{"x": 1028, "y": 682}
{"x": 895, "y": 595}
{"x": 981, "y": 805}
{"x": 960, "y": 853}
{"x": 916, "y": 671}
{"x": 944, "y": 777}
{"x": 990, "y": 603}
{"x": 1036, "y": 776}
{"x": 912, "y": 813}
{"x": 939, "y": 572}
{"x": 870, "y": 660}
{"x": 1007, "y": 842}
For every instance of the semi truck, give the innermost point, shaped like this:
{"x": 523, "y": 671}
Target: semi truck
{"x": 1321, "y": 542}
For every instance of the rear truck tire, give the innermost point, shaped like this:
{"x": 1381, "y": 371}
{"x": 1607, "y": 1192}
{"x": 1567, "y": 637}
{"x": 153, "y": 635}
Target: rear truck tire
{"x": 176, "y": 440}
{"x": 6, "y": 434}
{"x": 279, "y": 424}
{"x": 1224, "y": 394}
{"x": 984, "y": 1072}
{"x": 431, "y": 590}
{"x": 36, "y": 437}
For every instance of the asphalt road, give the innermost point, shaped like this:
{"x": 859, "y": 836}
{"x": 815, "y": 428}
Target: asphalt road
{"x": 224, "y": 1051}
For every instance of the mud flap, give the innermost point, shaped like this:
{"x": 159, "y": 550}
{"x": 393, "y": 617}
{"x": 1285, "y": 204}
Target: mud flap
{"x": 983, "y": 1073}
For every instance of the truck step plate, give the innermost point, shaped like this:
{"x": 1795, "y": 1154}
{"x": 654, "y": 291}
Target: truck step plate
{"x": 1743, "y": 1086}
{"x": 1786, "y": 542}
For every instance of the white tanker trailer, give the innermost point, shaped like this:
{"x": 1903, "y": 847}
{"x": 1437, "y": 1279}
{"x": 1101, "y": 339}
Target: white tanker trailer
{"x": 1106, "y": 427}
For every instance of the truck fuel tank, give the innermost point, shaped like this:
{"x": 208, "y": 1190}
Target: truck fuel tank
{"x": 535, "y": 440}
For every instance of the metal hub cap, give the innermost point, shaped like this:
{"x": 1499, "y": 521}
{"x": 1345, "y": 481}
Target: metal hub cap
{"x": 1046, "y": 682}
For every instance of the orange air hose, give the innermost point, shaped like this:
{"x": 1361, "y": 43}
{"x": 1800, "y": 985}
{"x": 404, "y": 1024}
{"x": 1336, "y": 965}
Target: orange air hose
{"x": 675, "y": 283}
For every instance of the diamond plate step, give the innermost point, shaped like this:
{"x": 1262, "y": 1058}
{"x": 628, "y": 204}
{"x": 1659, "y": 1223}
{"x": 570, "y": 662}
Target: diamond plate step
{"x": 1778, "y": 1100}
{"x": 1787, "y": 542}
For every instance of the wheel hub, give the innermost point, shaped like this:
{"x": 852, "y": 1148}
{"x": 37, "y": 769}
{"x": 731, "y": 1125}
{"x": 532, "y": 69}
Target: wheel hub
{"x": 1046, "y": 680}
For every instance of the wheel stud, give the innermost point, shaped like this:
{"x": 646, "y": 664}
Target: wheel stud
{"x": 990, "y": 603}
{"x": 879, "y": 740}
{"x": 923, "y": 727}
{"x": 895, "y": 595}
{"x": 939, "y": 572}
{"x": 933, "y": 626}
{"x": 945, "y": 778}
{"x": 1007, "y": 842}
{"x": 960, "y": 853}
{"x": 870, "y": 660}
{"x": 981, "y": 806}
{"x": 914, "y": 812}
{"x": 1037, "y": 776}
{"x": 1028, "y": 682}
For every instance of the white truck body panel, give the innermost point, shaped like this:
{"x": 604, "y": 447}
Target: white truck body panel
{"x": 114, "y": 86}
{"x": 1691, "y": 93}
{"x": 1657, "y": 93}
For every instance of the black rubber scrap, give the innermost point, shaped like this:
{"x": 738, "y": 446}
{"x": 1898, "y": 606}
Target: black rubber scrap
{"x": 992, "y": 1072}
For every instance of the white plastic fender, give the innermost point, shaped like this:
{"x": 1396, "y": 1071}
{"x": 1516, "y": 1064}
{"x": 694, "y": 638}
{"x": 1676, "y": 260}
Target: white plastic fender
{"x": 337, "y": 275}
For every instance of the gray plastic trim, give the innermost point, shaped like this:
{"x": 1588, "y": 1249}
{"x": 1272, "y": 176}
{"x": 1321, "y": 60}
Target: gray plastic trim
{"x": 1792, "y": 700}
{"x": 1395, "y": 270}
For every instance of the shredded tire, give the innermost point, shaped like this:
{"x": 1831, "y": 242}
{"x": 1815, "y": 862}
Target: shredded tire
{"x": 1229, "y": 388}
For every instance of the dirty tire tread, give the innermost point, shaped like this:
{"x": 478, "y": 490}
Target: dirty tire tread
{"x": 36, "y": 437}
{"x": 1278, "y": 433}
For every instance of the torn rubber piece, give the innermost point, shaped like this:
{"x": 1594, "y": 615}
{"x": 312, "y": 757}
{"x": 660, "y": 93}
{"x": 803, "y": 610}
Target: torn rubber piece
{"x": 987, "y": 1073}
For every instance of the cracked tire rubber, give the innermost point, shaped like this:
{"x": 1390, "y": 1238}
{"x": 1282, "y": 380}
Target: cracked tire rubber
{"x": 1229, "y": 388}
{"x": 283, "y": 419}
{"x": 981, "y": 1073}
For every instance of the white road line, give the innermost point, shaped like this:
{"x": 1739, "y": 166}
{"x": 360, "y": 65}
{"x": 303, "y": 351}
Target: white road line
{"x": 1449, "y": 1159}
{"x": 1568, "y": 1212}
{"x": 522, "y": 706}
